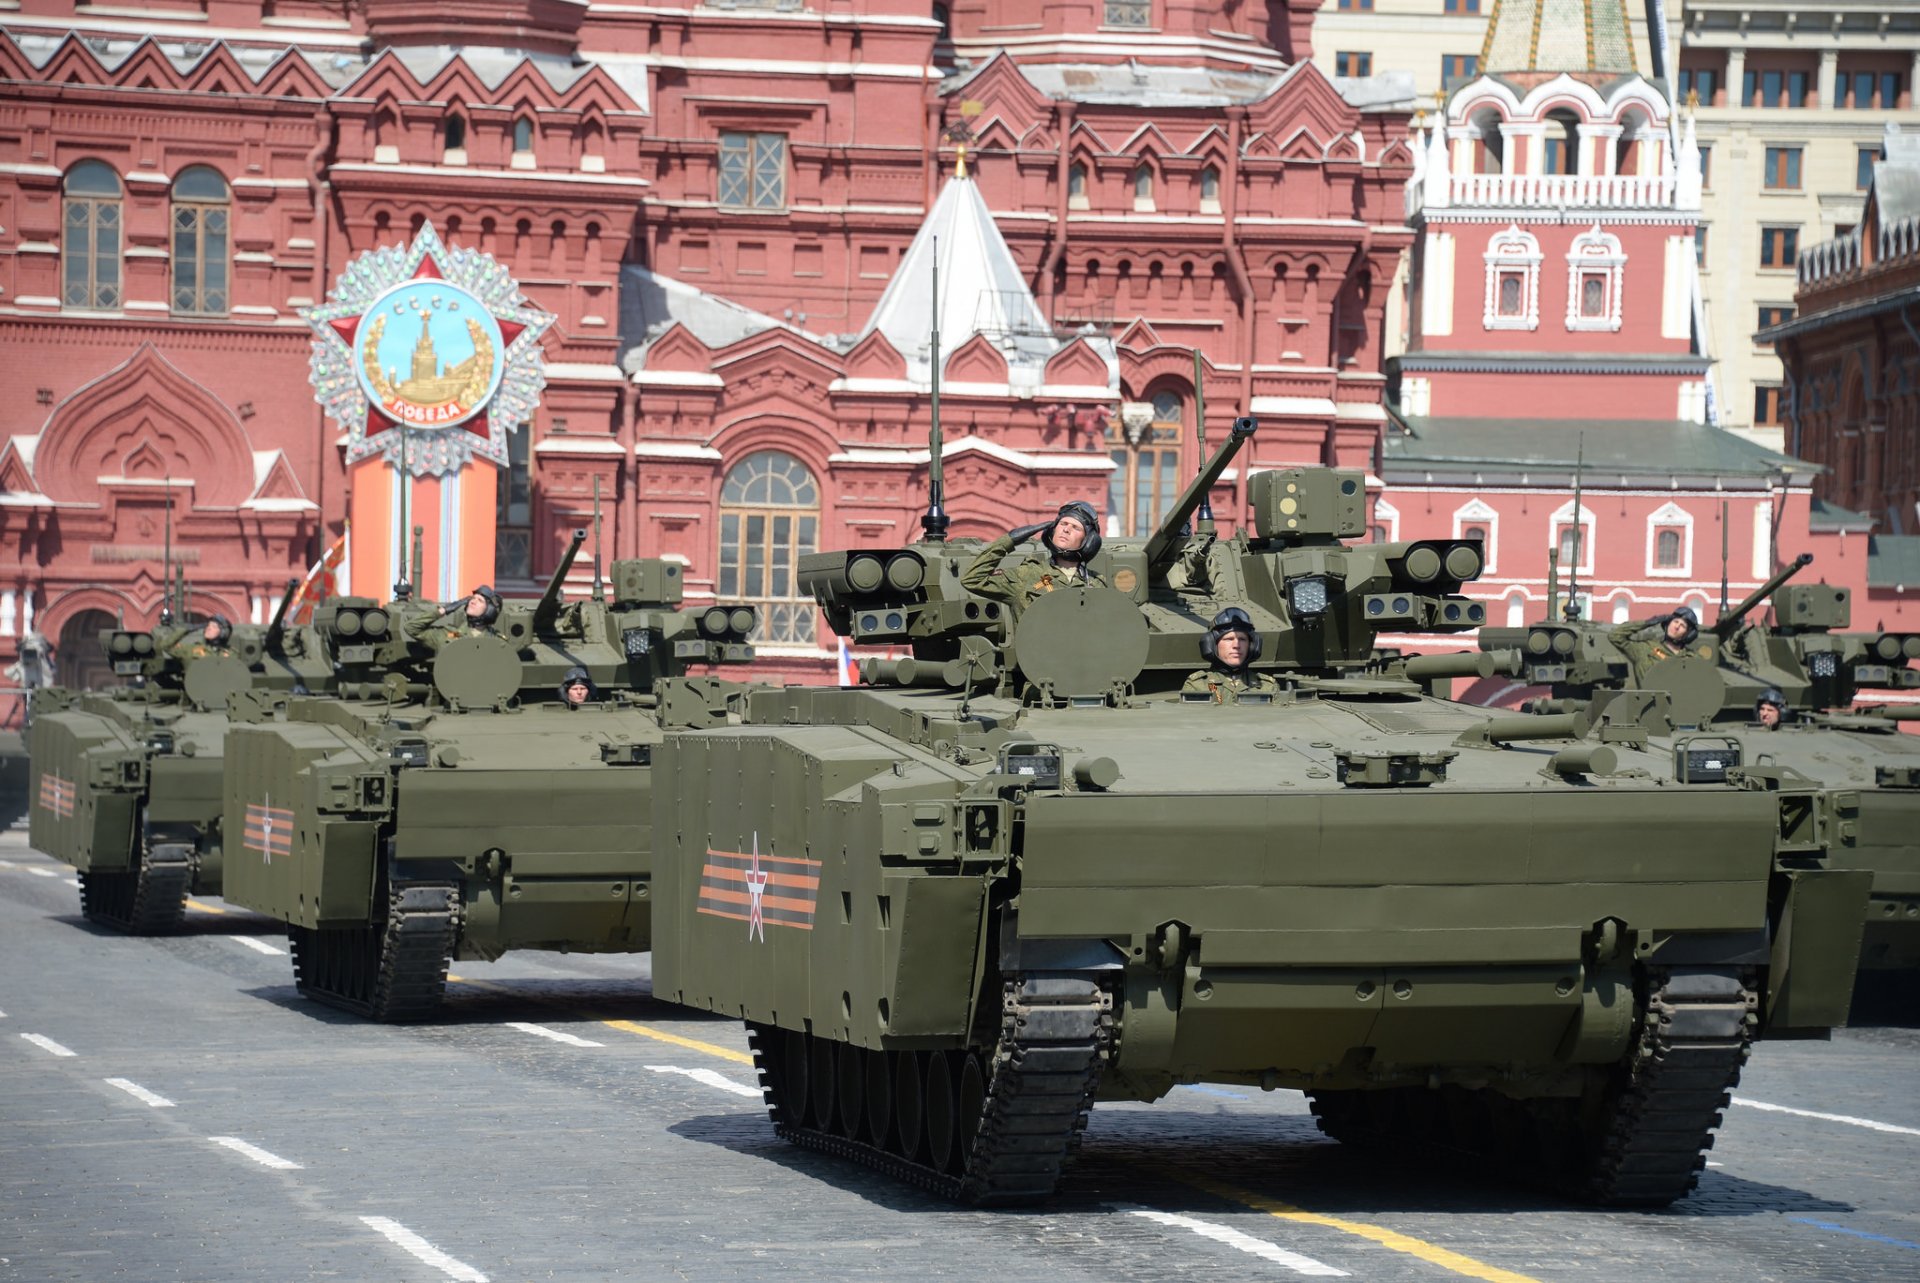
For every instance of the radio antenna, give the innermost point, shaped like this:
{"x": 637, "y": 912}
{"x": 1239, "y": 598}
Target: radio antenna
{"x": 166, "y": 562}
{"x": 934, "y": 523}
{"x": 596, "y": 538}
{"x": 1723, "y": 556}
{"x": 1205, "y": 515}
{"x": 403, "y": 586}
{"x": 1579, "y": 530}
{"x": 420, "y": 549}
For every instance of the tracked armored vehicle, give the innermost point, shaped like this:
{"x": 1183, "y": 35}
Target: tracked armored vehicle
{"x": 1019, "y": 872}
{"x": 1868, "y": 814}
{"x": 459, "y": 805}
{"x": 126, "y": 782}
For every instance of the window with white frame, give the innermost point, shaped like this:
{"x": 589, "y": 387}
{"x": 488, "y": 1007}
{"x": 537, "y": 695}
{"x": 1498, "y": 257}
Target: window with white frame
{"x": 1386, "y": 518}
{"x": 1478, "y": 520}
{"x": 1575, "y": 542}
{"x": 1670, "y": 542}
{"x": 1622, "y": 608}
{"x": 1516, "y": 610}
{"x": 1596, "y": 266}
{"x": 1513, "y": 281}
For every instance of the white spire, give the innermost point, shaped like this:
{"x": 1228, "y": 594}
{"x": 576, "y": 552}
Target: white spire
{"x": 982, "y": 290}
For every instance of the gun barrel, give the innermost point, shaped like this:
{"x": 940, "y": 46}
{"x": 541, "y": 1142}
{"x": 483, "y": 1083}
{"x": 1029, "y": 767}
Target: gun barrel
{"x": 1467, "y": 663}
{"x": 1731, "y": 620}
{"x": 1188, "y": 501}
{"x": 1530, "y": 726}
{"x": 277, "y": 629}
{"x": 1898, "y": 712}
{"x": 550, "y": 600}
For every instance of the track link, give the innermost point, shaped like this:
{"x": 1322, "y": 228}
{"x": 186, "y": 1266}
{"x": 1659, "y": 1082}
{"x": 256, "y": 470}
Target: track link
{"x": 990, "y": 1128}
{"x": 393, "y": 970}
{"x": 1640, "y": 1135}
{"x": 150, "y": 898}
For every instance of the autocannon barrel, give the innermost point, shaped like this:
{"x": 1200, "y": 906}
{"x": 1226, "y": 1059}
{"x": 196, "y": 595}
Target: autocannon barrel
{"x": 277, "y": 629}
{"x": 1731, "y": 620}
{"x": 1188, "y": 501}
{"x": 1898, "y": 712}
{"x": 1527, "y": 726}
{"x": 549, "y": 606}
{"x": 1467, "y": 663}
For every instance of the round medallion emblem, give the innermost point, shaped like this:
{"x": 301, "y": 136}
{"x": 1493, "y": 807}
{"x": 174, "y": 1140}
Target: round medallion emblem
{"x": 429, "y": 354}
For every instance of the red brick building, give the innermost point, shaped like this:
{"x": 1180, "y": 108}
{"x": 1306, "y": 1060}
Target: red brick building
{"x": 712, "y": 199}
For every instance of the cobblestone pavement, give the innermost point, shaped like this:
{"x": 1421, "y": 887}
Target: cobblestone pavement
{"x": 208, "y": 1124}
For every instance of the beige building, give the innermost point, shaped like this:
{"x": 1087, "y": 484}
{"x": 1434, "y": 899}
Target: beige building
{"x": 1793, "y": 98}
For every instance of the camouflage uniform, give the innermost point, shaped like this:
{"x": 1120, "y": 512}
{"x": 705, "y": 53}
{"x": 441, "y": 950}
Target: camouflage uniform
{"x": 1644, "y": 652}
{"x": 1026, "y": 581}
{"x": 437, "y": 630}
{"x": 197, "y": 647}
{"x": 1222, "y": 682}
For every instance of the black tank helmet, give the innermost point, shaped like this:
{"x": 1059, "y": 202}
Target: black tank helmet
{"x": 492, "y": 611}
{"x": 1771, "y": 695}
{"x": 1231, "y": 620}
{"x": 1083, "y": 512}
{"x": 1693, "y": 624}
{"x": 578, "y": 675}
{"x": 226, "y": 628}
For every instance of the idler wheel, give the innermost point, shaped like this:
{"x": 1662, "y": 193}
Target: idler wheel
{"x": 973, "y": 1097}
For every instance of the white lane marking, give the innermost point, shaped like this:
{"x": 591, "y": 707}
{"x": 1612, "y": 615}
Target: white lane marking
{"x": 402, "y": 1237}
{"x": 1245, "y": 1242}
{"x": 710, "y": 1078}
{"x": 140, "y": 1093}
{"x": 8, "y": 864}
{"x": 258, "y": 1155}
{"x": 572, "y": 1040}
{"x": 47, "y": 1044}
{"x": 248, "y": 942}
{"x": 1849, "y": 1119}
{"x": 44, "y": 873}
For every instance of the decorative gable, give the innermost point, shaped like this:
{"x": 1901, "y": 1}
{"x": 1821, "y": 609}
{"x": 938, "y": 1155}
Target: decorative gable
{"x": 1078, "y": 365}
{"x": 873, "y": 357}
{"x": 679, "y": 350}
{"x": 977, "y": 361}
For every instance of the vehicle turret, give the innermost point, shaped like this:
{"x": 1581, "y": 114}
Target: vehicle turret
{"x": 1731, "y": 620}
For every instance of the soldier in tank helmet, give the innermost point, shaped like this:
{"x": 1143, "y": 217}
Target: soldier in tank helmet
{"x": 576, "y": 688}
{"x": 481, "y": 612}
{"x": 1231, "y": 644}
{"x": 1770, "y": 710}
{"x": 1072, "y": 540}
{"x": 1677, "y": 633}
{"x": 214, "y": 639}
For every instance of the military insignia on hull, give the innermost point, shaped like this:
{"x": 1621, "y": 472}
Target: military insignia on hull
{"x": 760, "y": 890}
{"x": 434, "y": 340}
{"x": 56, "y": 795}
{"x": 269, "y": 830}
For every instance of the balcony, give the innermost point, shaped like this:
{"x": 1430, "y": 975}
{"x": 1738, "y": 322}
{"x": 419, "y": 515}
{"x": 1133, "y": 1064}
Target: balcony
{"x": 1564, "y": 191}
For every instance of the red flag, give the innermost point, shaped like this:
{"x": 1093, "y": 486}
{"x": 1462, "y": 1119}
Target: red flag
{"x": 322, "y": 582}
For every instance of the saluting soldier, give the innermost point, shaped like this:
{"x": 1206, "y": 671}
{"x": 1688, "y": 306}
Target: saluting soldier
{"x": 1677, "y": 633}
{"x": 1072, "y": 540}
{"x": 1231, "y": 643}
{"x": 213, "y": 640}
{"x": 482, "y": 610}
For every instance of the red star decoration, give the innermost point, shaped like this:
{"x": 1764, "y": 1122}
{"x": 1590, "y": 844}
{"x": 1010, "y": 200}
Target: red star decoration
{"x": 348, "y": 327}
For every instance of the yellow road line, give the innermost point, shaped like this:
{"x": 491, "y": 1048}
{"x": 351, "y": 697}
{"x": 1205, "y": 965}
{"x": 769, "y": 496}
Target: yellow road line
{"x": 1432, "y": 1253}
{"x": 694, "y": 1044}
{"x": 198, "y": 907}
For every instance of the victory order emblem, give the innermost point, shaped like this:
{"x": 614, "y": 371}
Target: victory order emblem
{"x": 434, "y": 341}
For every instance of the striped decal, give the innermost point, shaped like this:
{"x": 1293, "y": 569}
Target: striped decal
{"x": 788, "y": 889}
{"x": 56, "y": 795}
{"x": 269, "y": 830}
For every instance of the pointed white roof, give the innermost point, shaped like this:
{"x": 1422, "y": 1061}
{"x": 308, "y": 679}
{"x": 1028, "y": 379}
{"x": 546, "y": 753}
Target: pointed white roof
{"x": 982, "y": 291}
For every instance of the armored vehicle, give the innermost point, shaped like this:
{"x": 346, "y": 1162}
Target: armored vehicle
{"x": 126, "y": 782}
{"x": 1869, "y": 815}
{"x": 1019, "y": 870}
{"x": 462, "y": 805}
{"x": 14, "y": 772}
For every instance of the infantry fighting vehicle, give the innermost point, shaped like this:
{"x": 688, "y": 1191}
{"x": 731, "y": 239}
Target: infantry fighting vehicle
{"x": 1017, "y": 872}
{"x": 458, "y": 805}
{"x": 126, "y": 782}
{"x": 1868, "y": 815}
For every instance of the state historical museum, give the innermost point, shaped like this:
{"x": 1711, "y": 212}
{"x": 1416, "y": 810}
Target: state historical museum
{"x": 731, "y": 210}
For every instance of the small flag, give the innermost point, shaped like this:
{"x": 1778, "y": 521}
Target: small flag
{"x": 323, "y": 581}
{"x": 848, "y": 677}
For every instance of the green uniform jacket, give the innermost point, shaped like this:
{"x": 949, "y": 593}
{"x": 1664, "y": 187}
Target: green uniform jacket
{"x": 1644, "y": 652}
{"x": 437, "y": 630}
{"x": 1221, "y": 682}
{"x": 1026, "y": 581}
{"x": 197, "y": 648}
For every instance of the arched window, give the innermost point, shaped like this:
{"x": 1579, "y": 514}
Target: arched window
{"x": 513, "y": 512}
{"x": 79, "y": 661}
{"x": 453, "y": 140}
{"x": 1666, "y": 553}
{"x": 1209, "y": 190}
{"x": 1561, "y": 153}
{"x": 522, "y": 136}
{"x": 1146, "y": 463}
{"x": 90, "y": 243}
{"x": 200, "y": 241}
{"x": 1143, "y": 188}
{"x": 1474, "y": 532}
{"x": 1513, "y": 281}
{"x": 1571, "y": 546}
{"x": 1077, "y": 186}
{"x": 769, "y": 519}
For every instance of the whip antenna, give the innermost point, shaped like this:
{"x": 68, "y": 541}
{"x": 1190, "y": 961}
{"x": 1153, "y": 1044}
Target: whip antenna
{"x": 935, "y": 520}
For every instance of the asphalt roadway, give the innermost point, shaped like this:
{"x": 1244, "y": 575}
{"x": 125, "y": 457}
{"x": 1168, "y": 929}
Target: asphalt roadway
{"x": 171, "y": 1109}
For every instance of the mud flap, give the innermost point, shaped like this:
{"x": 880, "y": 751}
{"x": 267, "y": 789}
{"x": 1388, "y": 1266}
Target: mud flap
{"x": 1818, "y": 916}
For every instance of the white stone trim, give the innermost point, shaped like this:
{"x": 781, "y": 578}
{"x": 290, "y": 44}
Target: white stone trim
{"x": 1436, "y": 285}
{"x": 1477, "y": 512}
{"x": 1670, "y": 516}
{"x": 674, "y": 450}
{"x": 1595, "y": 252}
{"x": 1513, "y": 249}
{"x": 1563, "y": 516}
{"x": 1385, "y": 514}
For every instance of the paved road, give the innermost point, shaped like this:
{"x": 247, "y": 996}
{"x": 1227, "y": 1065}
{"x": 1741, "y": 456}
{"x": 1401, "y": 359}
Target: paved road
{"x": 170, "y": 1109}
